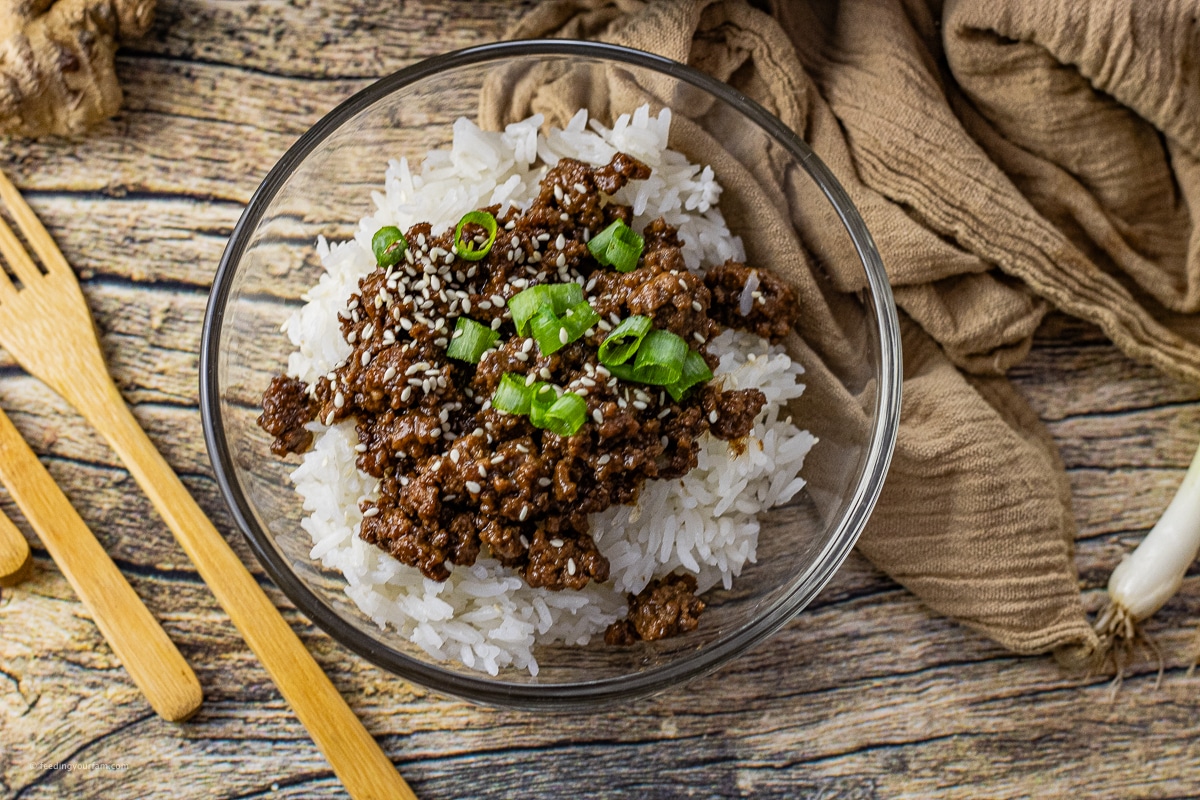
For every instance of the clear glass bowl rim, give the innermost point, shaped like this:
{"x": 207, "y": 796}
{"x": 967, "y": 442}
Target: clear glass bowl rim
{"x": 533, "y": 696}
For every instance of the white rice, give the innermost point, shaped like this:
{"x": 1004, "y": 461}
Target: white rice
{"x": 485, "y": 616}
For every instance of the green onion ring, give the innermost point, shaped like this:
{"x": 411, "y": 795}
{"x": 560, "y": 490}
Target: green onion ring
{"x": 467, "y": 251}
{"x": 388, "y": 244}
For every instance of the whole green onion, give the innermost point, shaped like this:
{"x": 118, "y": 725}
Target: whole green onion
{"x": 466, "y": 250}
{"x": 566, "y": 416}
{"x": 618, "y": 246}
{"x": 512, "y": 395}
{"x": 695, "y": 371}
{"x": 389, "y": 245}
{"x": 619, "y": 345}
{"x": 470, "y": 340}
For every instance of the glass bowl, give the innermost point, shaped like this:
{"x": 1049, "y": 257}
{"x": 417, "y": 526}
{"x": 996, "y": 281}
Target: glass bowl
{"x": 323, "y": 185}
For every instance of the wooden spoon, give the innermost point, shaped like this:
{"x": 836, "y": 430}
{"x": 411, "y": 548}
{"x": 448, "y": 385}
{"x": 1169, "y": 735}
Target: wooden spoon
{"x": 15, "y": 561}
{"x": 134, "y": 635}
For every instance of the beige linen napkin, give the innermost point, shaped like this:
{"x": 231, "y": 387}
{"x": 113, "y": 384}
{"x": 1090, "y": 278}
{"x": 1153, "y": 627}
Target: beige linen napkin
{"x": 1004, "y": 153}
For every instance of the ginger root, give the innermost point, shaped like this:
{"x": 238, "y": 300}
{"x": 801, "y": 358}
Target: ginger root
{"x": 56, "y": 62}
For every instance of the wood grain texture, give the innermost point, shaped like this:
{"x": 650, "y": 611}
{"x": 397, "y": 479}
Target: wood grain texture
{"x": 145, "y": 650}
{"x": 866, "y": 695}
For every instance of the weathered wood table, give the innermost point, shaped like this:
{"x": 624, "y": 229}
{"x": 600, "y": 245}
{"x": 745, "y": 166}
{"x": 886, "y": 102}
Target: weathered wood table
{"x": 867, "y": 694}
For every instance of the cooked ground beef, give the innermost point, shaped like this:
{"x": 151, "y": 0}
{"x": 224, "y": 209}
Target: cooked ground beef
{"x": 457, "y": 475}
{"x": 773, "y": 311}
{"x": 667, "y": 607}
{"x": 285, "y": 413}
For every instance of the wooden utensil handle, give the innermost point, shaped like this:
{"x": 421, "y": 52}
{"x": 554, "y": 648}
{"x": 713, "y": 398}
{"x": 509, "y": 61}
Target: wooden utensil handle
{"x": 134, "y": 635}
{"x": 14, "y": 554}
{"x": 355, "y": 757}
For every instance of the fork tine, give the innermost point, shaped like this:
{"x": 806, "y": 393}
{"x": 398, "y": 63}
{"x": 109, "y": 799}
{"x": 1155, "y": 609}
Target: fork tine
{"x": 31, "y": 226}
{"x": 14, "y": 253}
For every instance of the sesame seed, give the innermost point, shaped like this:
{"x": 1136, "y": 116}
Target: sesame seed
{"x": 482, "y": 470}
{"x": 527, "y": 345}
{"x": 339, "y": 400}
{"x": 596, "y": 415}
{"x": 558, "y": 193}
{"x": 524, "y": 513}
{"x": 473, "y": 487}
{"x": 639, "y": 405}
{"x": 530, "y": 379}
{"x": 699, "y": 337}
{"x": 498, "y": 301}
{"x": 366, "y": 359}
{"x": 560, "y": 242}
{"x": 352, "y": 337}
{"x": 508, "y": 226}
{"x": 562, "y": 335}
{"x": 579, "y": 187}
{"x": 496, "y": 323}
{"x": 522, "y": 356}
{"x": 556, "y": 542}
{"x": 564, "y": 216}
{"x": 712, "y": 417}
{"x": 570, "y": 566}
{"x": 407, "y": 393}
{"x": 696, "y": 305}
{"x": 522, "y": 448}
{"x": 544, "y": 372}
{"x": 454, "y": 456}
{"x": 360, "y": 448}
{"x": 683, "y": 284}
{"x": 389, "y": 374}
{"x": 466, "y": 306}
{"x": 485, "y": 305}
{"x": 372, "y": 511}
{"x": 604, "y": 459}
{"x": 543, "y": 482}
{"x": 329, "y": 419}
{"x": 581, "y": 392}
{"x": 497, "y": 460}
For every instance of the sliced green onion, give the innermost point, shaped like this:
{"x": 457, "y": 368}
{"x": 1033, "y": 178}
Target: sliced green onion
{"x": 548, "y": 331}
{"x": 389, "y": 245}
{"x": 618, "y": 246}
{"x": 619, "y": 345}
{"x": 695, "y": 370}
{"x": 564, "y": 295}
{"x": 512, "y": 395}
{"x": 542, "y": 397}
{"x": 470, "y": 340}
{"x": 558, "y": 297}
{"x": 467, "y": 250}
{"x": 660, "y": 358}
{"x": 523, "y": 305}
{"x": 567, "y": 415}
{"x": 578, "y": 319}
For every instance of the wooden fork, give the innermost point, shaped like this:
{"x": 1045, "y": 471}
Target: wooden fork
{"x": 15, "y": 560}
{"x": 150, "y": 657}
{"x": 46, "y": 326}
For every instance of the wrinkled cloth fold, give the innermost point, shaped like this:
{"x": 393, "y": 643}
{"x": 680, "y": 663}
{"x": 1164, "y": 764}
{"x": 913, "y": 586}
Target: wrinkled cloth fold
{"x": 1008, "y": 156}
